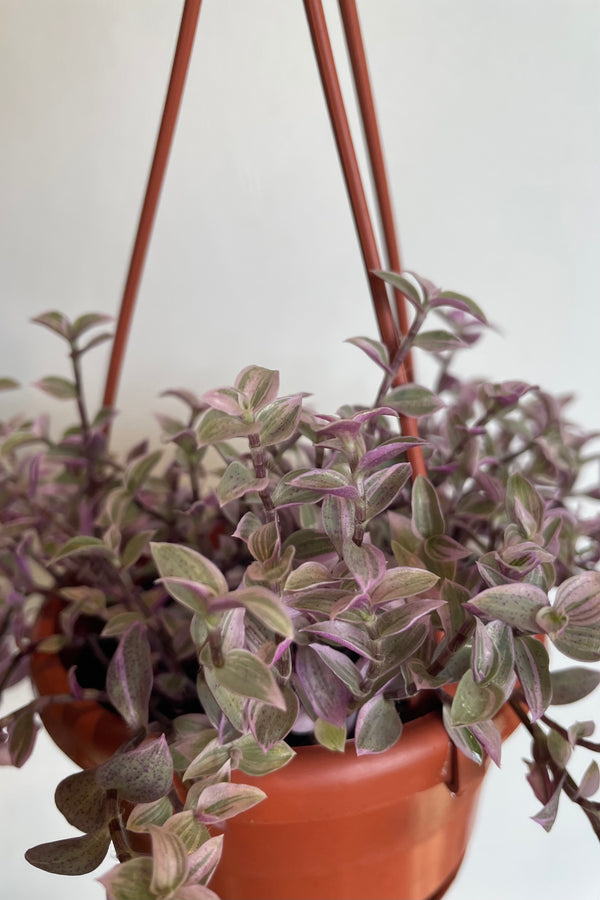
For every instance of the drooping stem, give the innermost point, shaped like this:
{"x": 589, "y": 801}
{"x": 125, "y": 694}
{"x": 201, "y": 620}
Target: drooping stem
{"x": 115, "y": 827}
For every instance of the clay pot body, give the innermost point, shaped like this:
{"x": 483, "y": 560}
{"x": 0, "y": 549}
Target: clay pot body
{"x": 334, "y": 825}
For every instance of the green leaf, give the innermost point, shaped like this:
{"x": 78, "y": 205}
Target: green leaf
{"x": 267, "y": 608}
{"x": 257, "y": 761}
{"x": 203, "y": 862}
{"x": 427, "y": 514}
{"x": 238, "y": 480}
{"x": 183, "y": 562}
{"x": 378, "y": 726}
{"x": 119, "y": 623}
{"x": 72, "y": 856}
{"x": 333, "y": 737}
{"x": 413, "y": 400}
{"x": 381, "y": 488}
{"x": 145, "y": 814}
{"x": 135, "y": 546}
{"x": 459, "y": 301}
{"x": 22, "y": 733}
{"x": 437, "y": 341}
{"x": 269, "y": 725}
{"x": 60, "y": 388}
{"x": 232, "y": 704}
{"x": 140, "y": 470}
{"x": 209, "y": 760}
{"x": 279, "y": 420}
{"x": 129, "y": 880}
{"x": 218, "y": 426}
{"x": 222, "y": 801}
{"x": 87, "y": 321}
{"x": 8, "y": 384}
{"x": 141, "y": 775}
{"x": 375, "y": 350}
{"x": 475, "y": 702}
{"x": 571, "y": 685}
{"x": 402, "y": 582}
{"x": 248, "y": 676}
{"x": 81, "y": 544}
{"x": 191, "y": 833}
{"x": 129, "y": 677}
{"x": 463, "y": 738}
{"x": 82, "y": 801}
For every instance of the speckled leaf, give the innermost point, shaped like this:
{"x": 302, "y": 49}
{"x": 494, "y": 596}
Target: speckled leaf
{"x": 72, "y": 856}
{"x": 238, "y": 480}
{"x": 270, "y": 725}
{"x": 579, "y": 598}
{"x": 590, "y": 781}
{"x": 413, "y": 400}
{"x": 532, "y": 664}
{"x": 475, "y": 702}
{"x": 248, "y": 676}
{"x": 403, "y": 617}
{"x": 141, "y": 775}
{"x": 219, "y": 426}
{"x": 145, "y": 814}
{"x": 427, "y": 514}
{"x": 547, "y": 815}
{"x": 328, "y": 695}
{"x": 267, "y": 607}
{"x": 366, "y": 563}
{"x": 222, "y": 801}
{"x": 515, "y": 604}
{"x": 323, "y": 482}
{"x": 129, "y": 880}
{"x": 382, "y": 487}
{"x": 82, "y": 801}
{"x": 378, "y": 726}
{"x": 402, "y": 582}
{"x": 341, "y": 665}
{"x": 338, "y": 520}
{"x": 203, "y": 862}
{"x": 279, "y": 420}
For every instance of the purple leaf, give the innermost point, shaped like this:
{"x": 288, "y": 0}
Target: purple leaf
{"x": 353, "y": 637}
{"x": 228, "y": 400}
{"x": 238, "y": 480}
{"x": 339, "y": 516}
{"x": 175, "y": 560}
{"x": 403, "y": 617}
{"x": 490, "y": 739}
{"x": 324, "y": 482}
{"x": 570, "y": 685}
{"x": 590, "y": 781}
{"x": 82, "y": 801}
{"x": 413, "y": 292}
{"x": 129, "y": 677}
{"x": 414, "y": 400}
{"x": 22, "y": 732}
{"x": 532, "y": 662}
{"x": 460, "y": 302}
{"x": 427, "y": 514}
{"x": 484, "y": 654}
{"x": 259, "y": 385}
{"x": 387, "y": 451}
{"x": 248, "y": 676}
{"x": 341, "y": 665}
{"x": 547, "y": 815}
{"x": 366, "y": 563}
{"x": 402, "y": 582}
{"x": 328, "y": 696}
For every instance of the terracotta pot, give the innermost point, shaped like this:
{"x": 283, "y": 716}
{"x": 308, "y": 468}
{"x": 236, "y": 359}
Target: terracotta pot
{"x": 333, "y": 825}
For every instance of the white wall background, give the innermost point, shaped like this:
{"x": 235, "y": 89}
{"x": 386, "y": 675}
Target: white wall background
{"x": 491, "y": 122}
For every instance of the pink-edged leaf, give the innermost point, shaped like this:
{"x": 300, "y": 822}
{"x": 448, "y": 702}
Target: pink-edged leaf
{"x": 72, "y": 856}
{"x": 332, "y": 737}
{"x": 325, "y": 481}
{"x": 259, "y": 385}
{"x": 228, "y": 400}
{"x": 267, "y": 607}
{"x": 366, "y": 563}
{"x": 141, "y": 775}
{"x": 402, "y": 582}
{"x": 346, "y": 634}
{"x": 489, "y": 738}
{"x": 221, "y": 801}
{"x": 386, "y": 452}
{"x": 579, "y": 598}
{"x": 203, "y": 862}
{"x": 328, "y": 696}
{"x": 87, "y": 321}
{"x": 279, "y": 420}
{"x": 515, "y": 604}
{"x": 54, "y": 321}
{"x": 169, "y": 862}
{"x": 458, "y": 301}
{"x": 339, "y": 516}
{"x": 196, "y": 892}
{"x": 308, "y": 575}
{"x": 175, "y": 560}
{"x": 375, "y": 350}
{"x": 463, "y": 738}
{"x": 341, "y": 665}
{"x": 547, "y": 815}
{"x": 145, "y": 814}
{"x": 438, "y": 340}
{"x": 394, "y": 621}
{"x": 255, "y": 760}
{"x": 378, "y": 726}
{"x": 382, "y": 487}
{"x": 129, "y": 676}
{"x": 443, "y": 548}
{"x": 411, "y": 290}
{"x": 190, "y": 593}
{"x": 269, "y": 725}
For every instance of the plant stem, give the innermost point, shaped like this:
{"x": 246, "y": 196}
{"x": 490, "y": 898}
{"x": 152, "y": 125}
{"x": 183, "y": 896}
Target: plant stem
{"x": 83, "y": 414}
{"x": 400, "y": 355}
{"x": 115, "y": 827}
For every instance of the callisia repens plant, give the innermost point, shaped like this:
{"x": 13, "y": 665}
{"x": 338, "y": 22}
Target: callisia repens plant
{"x": 272, "y": 576}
